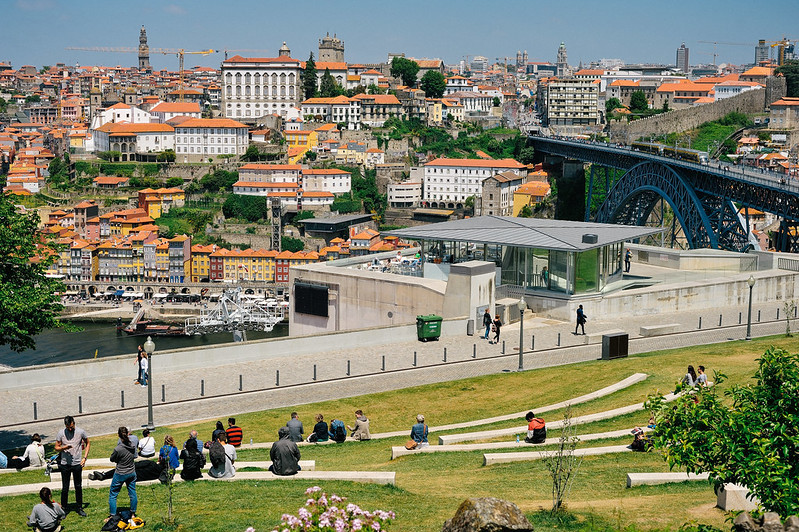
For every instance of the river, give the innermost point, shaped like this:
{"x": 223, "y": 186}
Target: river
{"x": 102, "y": 338}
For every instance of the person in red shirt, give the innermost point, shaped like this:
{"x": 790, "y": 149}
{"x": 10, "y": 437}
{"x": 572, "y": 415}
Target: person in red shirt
{"x": 234, "y": 433}
{"x": 536, "y": 429}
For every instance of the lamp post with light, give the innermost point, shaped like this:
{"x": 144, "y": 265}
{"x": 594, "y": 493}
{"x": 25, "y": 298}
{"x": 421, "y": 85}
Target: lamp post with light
{"x": 522, "y": 306}
{"x": 751, "y": 283}
{"x": 149, "y": 348}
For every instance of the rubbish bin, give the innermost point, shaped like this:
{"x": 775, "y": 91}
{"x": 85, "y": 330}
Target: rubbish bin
{"x": 428, "y": 327}
{"x": 614, "y": 345}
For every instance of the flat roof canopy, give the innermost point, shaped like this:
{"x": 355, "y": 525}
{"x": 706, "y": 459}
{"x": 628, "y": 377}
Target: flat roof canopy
{"x": 558, "y": 235}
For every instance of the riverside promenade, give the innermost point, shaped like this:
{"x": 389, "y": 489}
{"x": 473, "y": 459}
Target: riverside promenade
{"x": 223, "y": 380}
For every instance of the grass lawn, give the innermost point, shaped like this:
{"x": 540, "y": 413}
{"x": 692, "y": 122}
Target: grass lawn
{"x": 430, "y": 486}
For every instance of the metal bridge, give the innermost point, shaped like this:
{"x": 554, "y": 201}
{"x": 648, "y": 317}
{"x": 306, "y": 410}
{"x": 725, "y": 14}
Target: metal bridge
{"x": 703, "y": 197}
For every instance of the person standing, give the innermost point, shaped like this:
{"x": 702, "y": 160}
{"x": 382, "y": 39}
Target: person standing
{"x": 234, "y": 433}
{"x": 487, "y": 323}
{"x": 138, "y": 365}
{"x": 627, "y": 258}
{"x": 497, "y": 325}
{"x": 581, "y": 318}
{"x": 295, "y": 427}
{"x": 145, "y": 366}
{"x": 545, "y": 277}
{"x": 70, "y": 443}
{"x": 47, "y": 515}
{"x": 125, "y": 473}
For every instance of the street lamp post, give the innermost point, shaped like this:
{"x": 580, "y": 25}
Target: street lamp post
{"x": 149, "y": 348}
{"x": 751, "y": 283}
{"x": 522, "y": 306}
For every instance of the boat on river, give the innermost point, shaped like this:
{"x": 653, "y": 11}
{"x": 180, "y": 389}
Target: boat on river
{"x": 140, "y": 327}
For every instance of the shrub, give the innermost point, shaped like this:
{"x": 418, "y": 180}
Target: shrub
{"x": 322, "y": 513}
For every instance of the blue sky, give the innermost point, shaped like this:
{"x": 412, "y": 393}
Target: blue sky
{"x": 37, "y": 31}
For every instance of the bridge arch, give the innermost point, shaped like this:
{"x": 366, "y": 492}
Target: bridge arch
{"x": 637, "y": 192}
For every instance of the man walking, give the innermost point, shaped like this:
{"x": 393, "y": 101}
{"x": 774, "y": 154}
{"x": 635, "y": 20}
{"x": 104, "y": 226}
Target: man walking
{"x": 581, "y": 317}
{"x": 70, "y": 443}
{"x": 487, "y": 321}
{"x": 628, "y": 255}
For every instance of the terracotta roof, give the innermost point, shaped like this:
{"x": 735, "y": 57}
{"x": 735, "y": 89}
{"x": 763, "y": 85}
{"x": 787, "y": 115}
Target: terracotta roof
{"x": 786, "y": 101}
{"x": 324, "y": 171}
{"x": 332, "y": 65}
{"x": 380, "y": 99}
{"x": 327, "y": 101}
{"x": 176, "y": 107}
{"x": 261, "y": 184}
{"x": 259, "y": 166}
{"x": 240, "y": 59}
{"x": 480, "y": 163}
{"x": 123, "y": 128}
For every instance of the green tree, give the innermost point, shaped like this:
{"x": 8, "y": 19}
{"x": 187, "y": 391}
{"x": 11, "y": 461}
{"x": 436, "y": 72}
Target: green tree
{"x": 526, "y": 155}
{"x": 251, "y": 208}
{"x": 309, "y": 78}
{"x": 791, "y": 72}
{"x": 750, "y": 438}
{"x": 166, "y": 156}
{"x": 638, "y": 102}
{"x": 310, "y": 155}
{"x": 174, "y": 182}
{"x": 405, "y": 69}
{"x": 28, "y": 299}
{"x": 329, "y": 87}
{"x": 33, "y": 98}
{"x": 433, "y": 84}
{"x": 252, "y": 154}
{"x": 3, "y": 105}
{"x": 525, "y": 212}
{"x": 611, "y": 104}
{"x": 496, "y": 101}
{"x": 219, "y": 179}
{"x": 288, "y": 243}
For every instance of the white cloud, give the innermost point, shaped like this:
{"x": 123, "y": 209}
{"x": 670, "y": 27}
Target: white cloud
{"x": 174, "y": 9}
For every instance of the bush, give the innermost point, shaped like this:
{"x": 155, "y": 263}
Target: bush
{"x": 174, "y": 182}
{"x": 250, "y": 208}
{"x": 288, "y": 243}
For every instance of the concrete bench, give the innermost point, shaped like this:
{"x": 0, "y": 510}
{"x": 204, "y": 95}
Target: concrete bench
{"x": 504, "y": 458}
{"x": 596, "y": 337}
{"x": 734, "y": 497}
{"x": 657, "y": 330}
{"x": 103, "y": 464}
{"x": 396, "y": 452}
{"x": 652, "y": 479}
{"x": 370, "y": 477}
{"x": 607, "y": 390}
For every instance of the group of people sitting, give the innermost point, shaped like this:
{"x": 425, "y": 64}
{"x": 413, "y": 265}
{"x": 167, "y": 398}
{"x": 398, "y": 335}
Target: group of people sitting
{"x": 694, "y": 379}
{"x": 336, "y": 431}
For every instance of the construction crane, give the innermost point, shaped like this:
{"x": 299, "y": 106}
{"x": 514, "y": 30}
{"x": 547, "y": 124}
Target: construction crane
{"x": 180, "y": 52}
{"x": 782, "y": 45}
{"x": 716, "y": 43}
{"x": 243, "y": 50}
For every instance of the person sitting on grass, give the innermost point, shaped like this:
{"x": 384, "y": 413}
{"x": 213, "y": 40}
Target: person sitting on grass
{"x": 193, "y": 460}
{"x": 47, "y": 515}
{"x": 223, "y": 456}
{"x": 145, "y": 470}
{"x": 320, "y": 431}
{"x": 536, "y": 429}
{"x": 360, "y": 431}
{"x": 285, "y": 454}
{"x": 419, "y": 432}
{"x": 33, "y": 456}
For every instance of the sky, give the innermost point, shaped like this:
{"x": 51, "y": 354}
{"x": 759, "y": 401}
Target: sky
{"x": 37, "y": 32}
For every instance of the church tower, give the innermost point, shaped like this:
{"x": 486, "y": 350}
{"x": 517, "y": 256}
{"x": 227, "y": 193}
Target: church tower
{"x": 284, "y": 51}
{"x": 331, "y": 49}
{"x": 563, "y": 63}
{"x": 144, "y": 51}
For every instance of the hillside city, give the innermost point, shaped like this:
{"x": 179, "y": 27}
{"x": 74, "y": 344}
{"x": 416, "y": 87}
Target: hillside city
{"x": 185, "y": 176}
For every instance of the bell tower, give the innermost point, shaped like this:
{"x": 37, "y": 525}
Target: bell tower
{"x": 144, "y": 51}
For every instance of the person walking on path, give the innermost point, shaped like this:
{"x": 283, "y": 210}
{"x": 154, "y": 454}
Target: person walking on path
{"x": 628, "y": 255}
{"x": 581, "y": 319}
{"x": 138, "y": 365}
{"x": 487, "y": 323}
{"x": 70, "y": 443}
{"x": 497, "y": 326}
{"x": 125, "y": 473}
{"x": 145, "y": 366}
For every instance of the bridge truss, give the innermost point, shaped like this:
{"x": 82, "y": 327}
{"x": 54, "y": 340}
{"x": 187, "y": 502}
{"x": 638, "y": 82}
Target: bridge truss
{"x": 703, "y": 197}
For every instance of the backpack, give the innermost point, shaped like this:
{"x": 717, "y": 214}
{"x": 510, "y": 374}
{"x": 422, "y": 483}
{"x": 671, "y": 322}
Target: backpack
{"x": 217, "y": 455}
{"x": 339, "y": 430}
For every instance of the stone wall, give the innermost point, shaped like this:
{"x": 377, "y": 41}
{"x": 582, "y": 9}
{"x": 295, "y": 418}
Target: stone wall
{"x": 749, "y": 102}
{"x": 770, "y": 522}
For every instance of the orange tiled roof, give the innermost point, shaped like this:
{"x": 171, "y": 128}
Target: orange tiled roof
{"x": 498, "y": 163}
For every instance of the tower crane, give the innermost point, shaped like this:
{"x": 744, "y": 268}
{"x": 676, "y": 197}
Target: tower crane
{"x": 782, "y": 46}
{"x": 716, "y": 43}
{"x": 180, "y": 52}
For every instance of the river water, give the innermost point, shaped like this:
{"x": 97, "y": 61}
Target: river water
{"x": 102, "y": 338}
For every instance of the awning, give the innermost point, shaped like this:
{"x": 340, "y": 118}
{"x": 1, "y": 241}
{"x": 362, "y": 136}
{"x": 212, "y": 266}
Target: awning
{"x": 159, "y": 296}
{"x": 119, "y": 292}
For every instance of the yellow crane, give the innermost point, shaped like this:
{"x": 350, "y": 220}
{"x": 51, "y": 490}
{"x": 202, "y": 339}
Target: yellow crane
{"x": 781, "y": 45}
{"x": 180, "y": 52}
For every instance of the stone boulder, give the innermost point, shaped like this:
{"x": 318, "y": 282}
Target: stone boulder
{"x": 487, "y": 514}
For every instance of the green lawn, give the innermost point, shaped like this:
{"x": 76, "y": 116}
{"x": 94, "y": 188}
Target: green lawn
{"x": 431, "y": 486}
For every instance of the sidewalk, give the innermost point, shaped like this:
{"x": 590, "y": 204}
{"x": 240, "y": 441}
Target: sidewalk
{"x": 372, "y": 369}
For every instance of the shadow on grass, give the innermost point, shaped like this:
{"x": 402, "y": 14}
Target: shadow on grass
{"x": 589, "y": 522}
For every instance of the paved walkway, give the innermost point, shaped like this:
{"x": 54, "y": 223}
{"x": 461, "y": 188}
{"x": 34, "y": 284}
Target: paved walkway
{"x": 371, "y": 369}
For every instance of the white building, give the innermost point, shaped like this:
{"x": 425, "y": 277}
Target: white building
{"x": 448, "y": 182}
{"x": 199, "y": 139}
{"x": 458, "y": 84}
{"x": 270, "y": 173}
{"x": 337, "y": 69}
{"x": 407, "y": 194}
{"x": 326, "y": 180}
{"x": 253, "y": 87}
{"x": 474, "y": 103}
{"x": 121, "y": 112}
{"x": 338, "y": 109}
{"x": 129, "y": 139}
{"x": 728, "y": 89}
{"x": 167, "y": 110}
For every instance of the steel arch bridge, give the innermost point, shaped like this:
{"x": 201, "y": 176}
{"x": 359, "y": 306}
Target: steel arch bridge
{"x": 703, "y": 197}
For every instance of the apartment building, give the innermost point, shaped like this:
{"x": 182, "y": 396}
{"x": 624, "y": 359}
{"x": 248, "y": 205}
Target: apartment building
{"x": 200, "y": 139}
{"x": 449, "y": 182}
{"x": 573, "y": 102}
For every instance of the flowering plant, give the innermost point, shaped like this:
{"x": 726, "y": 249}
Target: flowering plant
{"x": 322, "y": 512}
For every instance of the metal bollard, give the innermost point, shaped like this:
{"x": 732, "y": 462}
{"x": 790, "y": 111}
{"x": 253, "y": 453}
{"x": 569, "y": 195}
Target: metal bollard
{"x": 241, "y": 382}
{"x": 503, "y": 347}
{"x": 778, "y": 313}
{"x": 80, "y": 404}
{"x": 414, "y": 359}
{"x": 202, "y": 388}
{"x": 719, "y": 320}
{"x": 122, "y": 394}
{"x": 794, "y": 311}
{"x": 558, "y": 339}
{"x": 445, "y": 354}
{"x": 739, "y": 318}
{"x": 163, "y": 393}
{"x": 700, "y": 322}
{"x": 348, "y": 368}
{"x": 383, "y": 365}
{"x": 277, "y": 377}
{"x": 35, "y": 413}
{"x": 758, "y": 316}
{"x": 314, "y": 372}
{"x": 532, "y": 343}
{"x": 474, "y": 350}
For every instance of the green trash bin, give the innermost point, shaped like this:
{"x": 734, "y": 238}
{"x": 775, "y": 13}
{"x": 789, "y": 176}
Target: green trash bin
{"x": 428, "y": 327}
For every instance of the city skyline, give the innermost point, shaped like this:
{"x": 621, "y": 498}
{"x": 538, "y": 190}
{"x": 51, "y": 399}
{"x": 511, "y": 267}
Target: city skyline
{"x": 446, "y": 30}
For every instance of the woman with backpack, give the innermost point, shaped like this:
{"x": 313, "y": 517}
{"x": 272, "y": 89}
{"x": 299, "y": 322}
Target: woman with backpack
{"x": 193, "y": 460}
{"x": 497, "y": 326}
{"x": 338, "y": 431}
{"x": 168, "y": 455}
